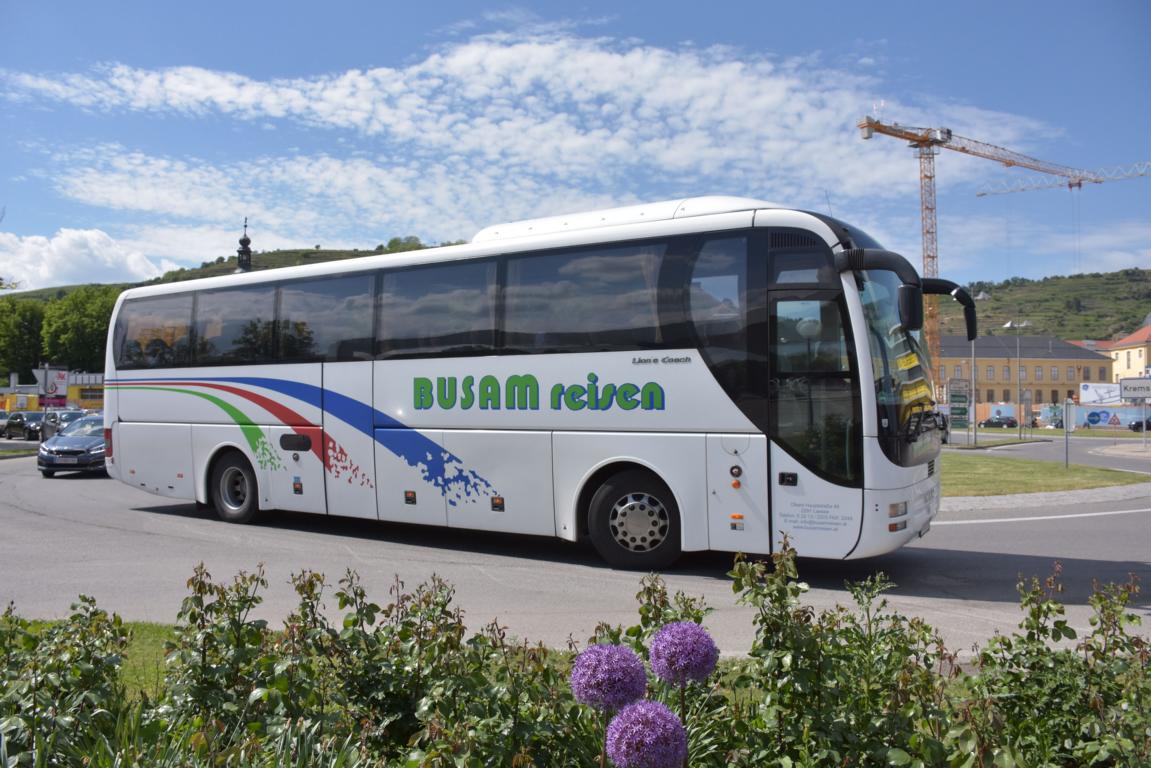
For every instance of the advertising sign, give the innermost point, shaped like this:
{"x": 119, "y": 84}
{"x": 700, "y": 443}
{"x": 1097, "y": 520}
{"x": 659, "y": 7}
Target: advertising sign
{"x": 1098, "y": 394}
{"x": 53, "y": 386}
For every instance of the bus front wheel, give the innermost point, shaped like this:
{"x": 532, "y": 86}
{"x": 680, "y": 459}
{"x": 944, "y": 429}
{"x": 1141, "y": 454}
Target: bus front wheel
{"x": 633, "y": 522}
{"x": 234, "y": 489}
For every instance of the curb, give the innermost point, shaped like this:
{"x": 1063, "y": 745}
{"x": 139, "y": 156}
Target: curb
{"x": 1047, "y": 499}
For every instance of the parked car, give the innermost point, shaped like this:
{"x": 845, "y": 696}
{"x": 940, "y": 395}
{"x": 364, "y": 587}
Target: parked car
{"x": 1139, "y": 426}
{"x": 78, "y": 447}
{"x": 55, "y": 421}
{"x": 23, "y": 424}
{"x": 1005, "y": 422}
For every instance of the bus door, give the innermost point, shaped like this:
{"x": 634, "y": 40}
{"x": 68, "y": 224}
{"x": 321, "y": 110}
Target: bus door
{"x": 349, "y": 447}
{"x": 290, "y": 465}
{"x": 815, "y": 426}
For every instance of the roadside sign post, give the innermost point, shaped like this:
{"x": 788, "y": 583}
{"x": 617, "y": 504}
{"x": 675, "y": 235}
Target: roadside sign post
{"x": 959, "y": 398}
{"x": 1068, "y": 414}
{"x": 1025, "y": 412}
{"x": 1137, "y": 389}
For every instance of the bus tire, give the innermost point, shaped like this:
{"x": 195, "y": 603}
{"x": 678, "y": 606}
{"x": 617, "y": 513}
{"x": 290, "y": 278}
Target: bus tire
{"x": 234, "y": 492}
{"x": 633, "y": 522}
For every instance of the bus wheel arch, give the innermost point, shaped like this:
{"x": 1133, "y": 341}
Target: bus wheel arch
{"x": 233, "y": 490}
{"x": 631, "y": 517}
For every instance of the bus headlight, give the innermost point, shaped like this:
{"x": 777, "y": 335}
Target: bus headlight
{"x": 898, "y": 509}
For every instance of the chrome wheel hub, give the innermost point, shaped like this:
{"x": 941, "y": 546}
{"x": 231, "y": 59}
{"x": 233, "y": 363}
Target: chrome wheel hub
{"x": 639, "y": 522}
{"x": 234, "y": 489}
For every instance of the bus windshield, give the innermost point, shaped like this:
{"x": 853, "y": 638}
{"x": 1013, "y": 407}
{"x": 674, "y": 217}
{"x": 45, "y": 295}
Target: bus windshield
{"x": 902, "y": 370}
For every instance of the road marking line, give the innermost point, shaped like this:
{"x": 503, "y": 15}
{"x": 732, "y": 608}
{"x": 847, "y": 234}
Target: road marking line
{"x": 1037, "y": 517}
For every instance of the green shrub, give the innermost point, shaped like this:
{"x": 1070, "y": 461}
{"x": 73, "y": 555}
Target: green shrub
{"x": 403, "y": 684}
{"x": 60, "y": 683}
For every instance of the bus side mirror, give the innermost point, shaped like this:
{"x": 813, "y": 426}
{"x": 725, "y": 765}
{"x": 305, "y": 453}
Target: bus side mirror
{"x": 911, "y": 307}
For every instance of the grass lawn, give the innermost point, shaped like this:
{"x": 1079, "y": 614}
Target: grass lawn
{"x": 16, "y": 454}
{"x": 971, "y": 474}
{"x": 143, "y": 669}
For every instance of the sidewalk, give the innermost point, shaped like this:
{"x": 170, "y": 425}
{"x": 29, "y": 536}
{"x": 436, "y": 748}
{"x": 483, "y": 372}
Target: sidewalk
{"x": 1034, "y": 500}
{"x": 1128, "y": 449}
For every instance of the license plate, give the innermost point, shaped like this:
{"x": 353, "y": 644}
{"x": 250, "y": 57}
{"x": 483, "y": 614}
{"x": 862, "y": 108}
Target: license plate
{"x": 926, "y": 527}
{"x": 66, "y": 460}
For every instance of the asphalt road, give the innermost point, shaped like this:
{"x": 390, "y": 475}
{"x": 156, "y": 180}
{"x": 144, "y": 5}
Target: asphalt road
{"x": 133, "y": 552}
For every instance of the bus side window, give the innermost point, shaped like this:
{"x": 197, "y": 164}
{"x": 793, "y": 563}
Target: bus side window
{"x": 718, "y": 308}
{"x": 235, "y": 325}
{"x": 444, "y": 309}
{"x": 327, "y": 319}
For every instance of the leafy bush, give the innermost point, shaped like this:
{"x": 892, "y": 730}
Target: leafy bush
{"x": 60, "y": 683}
{"x": 403, "y": 684}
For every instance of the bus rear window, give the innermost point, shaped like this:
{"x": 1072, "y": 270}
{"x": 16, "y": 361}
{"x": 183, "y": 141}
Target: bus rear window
{"x": 154, "y": 333}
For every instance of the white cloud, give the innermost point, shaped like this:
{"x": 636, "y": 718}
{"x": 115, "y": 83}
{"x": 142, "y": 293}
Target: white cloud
{"x": 501, "y": 127}
{"x": 298, "y": 201}
{"x": 590, "y": 113}
{"x": 73, "y": 256}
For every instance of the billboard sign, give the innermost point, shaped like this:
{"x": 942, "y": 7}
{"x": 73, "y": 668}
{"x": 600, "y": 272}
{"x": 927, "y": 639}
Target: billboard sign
{"x": 1098, "y": 394}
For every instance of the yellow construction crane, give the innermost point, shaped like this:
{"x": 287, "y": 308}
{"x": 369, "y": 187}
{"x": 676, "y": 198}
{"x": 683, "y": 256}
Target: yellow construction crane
{"x": 927, "y": 142}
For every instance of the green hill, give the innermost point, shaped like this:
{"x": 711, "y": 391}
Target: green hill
{"x": 1092, "y": 306}
{"x": 1089, "y": 306}
{"x": 226, "y": 265}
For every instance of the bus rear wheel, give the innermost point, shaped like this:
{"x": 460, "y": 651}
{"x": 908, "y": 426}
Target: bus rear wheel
{"x": 234, "y": 490}
{"x": 633, "y": 522}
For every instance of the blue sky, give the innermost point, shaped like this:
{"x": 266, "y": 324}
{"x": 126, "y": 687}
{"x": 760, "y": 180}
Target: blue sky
{"x": 136, "y": 136}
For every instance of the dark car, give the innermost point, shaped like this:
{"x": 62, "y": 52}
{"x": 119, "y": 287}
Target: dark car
{"x": 1139, "y": 426}
{"x": 1004, "y": 422}
{"x": 79, "y": 447}
{"x": 55, "y": 421}
{"x": 24, "y": 424}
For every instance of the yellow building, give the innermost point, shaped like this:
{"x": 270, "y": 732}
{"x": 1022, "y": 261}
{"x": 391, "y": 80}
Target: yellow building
{"x": 1131, "y": 355}
{"x": 85, "y": 390}
{"x": 1006, "y": 365}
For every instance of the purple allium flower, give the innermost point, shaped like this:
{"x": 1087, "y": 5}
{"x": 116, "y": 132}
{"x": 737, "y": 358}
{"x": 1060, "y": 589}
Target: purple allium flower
{"x": 683, "y": 651}
{"x": 608, "y": 677}
{"x": 646, "y": 734}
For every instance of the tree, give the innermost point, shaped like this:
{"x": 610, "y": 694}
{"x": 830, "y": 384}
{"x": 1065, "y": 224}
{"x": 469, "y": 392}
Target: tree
{"x": 75, "y": 329}
{"x": 400, "y": 244}
{"x": 21, "y": 321}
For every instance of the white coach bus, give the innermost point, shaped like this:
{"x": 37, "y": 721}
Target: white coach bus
{"x": 709, "y": 373}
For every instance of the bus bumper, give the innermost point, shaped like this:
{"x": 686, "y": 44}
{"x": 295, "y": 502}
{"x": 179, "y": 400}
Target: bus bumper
{"x": 891, "y": 518}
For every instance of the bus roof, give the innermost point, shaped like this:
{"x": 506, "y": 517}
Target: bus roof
{"x": 514, "y": 236}
{"x": 613, "y": 217}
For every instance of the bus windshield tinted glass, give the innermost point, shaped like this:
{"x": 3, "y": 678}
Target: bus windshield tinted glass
{"x": 903, "y": 386}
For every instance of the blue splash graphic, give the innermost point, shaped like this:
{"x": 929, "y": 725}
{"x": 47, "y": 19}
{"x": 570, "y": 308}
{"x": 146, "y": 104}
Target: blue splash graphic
{"x": 438, "y": 466}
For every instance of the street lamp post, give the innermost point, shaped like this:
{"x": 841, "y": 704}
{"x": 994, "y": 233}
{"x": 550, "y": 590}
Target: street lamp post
{"x": 1018, "y": 325}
